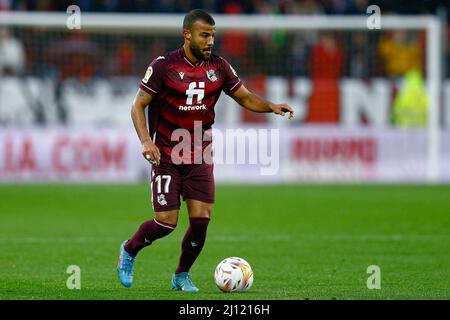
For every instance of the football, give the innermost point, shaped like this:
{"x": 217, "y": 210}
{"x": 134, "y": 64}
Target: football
{"x": 233, "y": 274}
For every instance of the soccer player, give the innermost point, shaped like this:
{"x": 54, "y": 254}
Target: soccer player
{"x": 181, "y": 88}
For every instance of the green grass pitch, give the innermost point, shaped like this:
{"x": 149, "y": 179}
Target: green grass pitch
{"x": 303, "y": 242}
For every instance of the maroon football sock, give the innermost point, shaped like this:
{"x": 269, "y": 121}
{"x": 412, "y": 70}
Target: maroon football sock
{"x": 192, "y": 244}
{"x": 148, "y": 232}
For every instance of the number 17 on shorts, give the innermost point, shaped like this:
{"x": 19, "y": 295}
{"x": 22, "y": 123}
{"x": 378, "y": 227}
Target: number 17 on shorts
{"x": 162, "y": 200}
{"x": 170, "y": 182}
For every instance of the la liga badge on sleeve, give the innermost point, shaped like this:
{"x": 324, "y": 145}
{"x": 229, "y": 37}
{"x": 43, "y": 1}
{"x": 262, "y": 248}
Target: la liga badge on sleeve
{"x": 148, "y": 74}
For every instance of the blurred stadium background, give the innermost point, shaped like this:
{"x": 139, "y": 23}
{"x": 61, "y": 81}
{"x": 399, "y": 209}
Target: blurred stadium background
{"x": 372, "y": 106}
{"x": 368, "y": 107}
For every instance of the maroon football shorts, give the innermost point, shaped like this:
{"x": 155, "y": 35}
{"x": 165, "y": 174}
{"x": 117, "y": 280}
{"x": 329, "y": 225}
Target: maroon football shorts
{"x": 191, "y": 181}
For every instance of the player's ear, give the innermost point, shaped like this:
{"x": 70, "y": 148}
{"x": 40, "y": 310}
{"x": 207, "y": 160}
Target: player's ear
{"x": 187, "y": 34}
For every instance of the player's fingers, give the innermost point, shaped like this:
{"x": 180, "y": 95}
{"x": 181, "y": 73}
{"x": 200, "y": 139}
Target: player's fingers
{"x": 291, "y": 114}
{"x": 147, "y": 156}
{"x": 287, "y": 107}
{"x": 157, "y": 157}
{"x": 278, "y": 110}
{"x": 151, "y": 159}
{"x": 152, "y": 151}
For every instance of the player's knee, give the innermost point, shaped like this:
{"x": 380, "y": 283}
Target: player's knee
{"x": 207, "y": 212}
{"x": 203, "y": 212}
{"x": 168, "y": 217}
{"x": 199, "y": 209}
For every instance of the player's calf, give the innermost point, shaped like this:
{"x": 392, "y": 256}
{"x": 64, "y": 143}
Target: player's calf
{"x": 192, "y": 244}
{"x": 148, "y": 232}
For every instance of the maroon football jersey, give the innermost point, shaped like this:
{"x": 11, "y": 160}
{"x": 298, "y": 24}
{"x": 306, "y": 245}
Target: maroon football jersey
{"x": 183, "y": 94}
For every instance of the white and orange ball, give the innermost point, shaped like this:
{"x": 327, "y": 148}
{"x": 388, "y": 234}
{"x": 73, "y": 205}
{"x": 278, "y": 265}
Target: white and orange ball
{"x": 233, "y": 274}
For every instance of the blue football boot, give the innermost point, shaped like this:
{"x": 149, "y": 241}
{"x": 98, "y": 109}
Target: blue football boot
{"x": 182, "y": 282}
{"x": 125, "y": 266}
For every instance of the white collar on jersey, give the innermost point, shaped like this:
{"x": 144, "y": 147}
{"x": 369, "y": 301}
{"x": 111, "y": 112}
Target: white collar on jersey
{"x": 191, "y": 64}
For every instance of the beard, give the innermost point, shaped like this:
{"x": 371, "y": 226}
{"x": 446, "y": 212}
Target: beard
{"x": 197, "y": 52}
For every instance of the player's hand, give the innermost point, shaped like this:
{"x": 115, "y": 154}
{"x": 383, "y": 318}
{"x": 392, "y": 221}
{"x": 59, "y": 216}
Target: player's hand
{"x": 282, "y": 108}
{"x": 151, "y": 152}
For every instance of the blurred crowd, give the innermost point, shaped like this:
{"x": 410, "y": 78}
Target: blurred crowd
{"x": 331, "y": 54}
{"x": 324, "y": 57}
{"x": 222, "y": 6}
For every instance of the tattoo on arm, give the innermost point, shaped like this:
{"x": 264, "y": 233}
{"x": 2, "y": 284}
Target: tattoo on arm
{"x": 142, "y": 98}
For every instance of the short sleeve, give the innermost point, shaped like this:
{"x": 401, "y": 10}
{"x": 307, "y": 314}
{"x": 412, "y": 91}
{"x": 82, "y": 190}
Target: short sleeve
{"x": 154, "y": 76}
{"x": 232, "y": 81}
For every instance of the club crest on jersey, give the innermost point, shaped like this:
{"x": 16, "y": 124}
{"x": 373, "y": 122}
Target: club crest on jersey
{"x": 211, "y": 75}
{"x": 162, "y": 199}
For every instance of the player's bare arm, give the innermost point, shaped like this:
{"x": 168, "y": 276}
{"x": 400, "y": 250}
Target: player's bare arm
{"x": 149, "y": 150}
{"x": 254, "y": 103}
